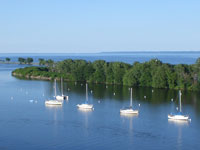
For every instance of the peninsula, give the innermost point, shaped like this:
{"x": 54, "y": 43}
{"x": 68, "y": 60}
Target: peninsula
{"x": 153, "y": 73}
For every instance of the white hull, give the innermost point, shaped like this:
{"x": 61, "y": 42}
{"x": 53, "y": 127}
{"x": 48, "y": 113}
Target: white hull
{"x": 178, "y": 117}
{"x": 129, "y": 111}
{"x": 85, "y": 106}
{"x": 58, "y": 97}
{"x": 53, "y": 102}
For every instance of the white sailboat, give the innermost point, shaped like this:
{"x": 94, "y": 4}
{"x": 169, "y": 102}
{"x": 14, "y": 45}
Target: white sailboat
{"x": 179, "y": 115}
{"x": 129, "y": 110}
{"x": 85, "y": 105}
{"x": 62, "y": 96}
{"x": 55, "y": 101}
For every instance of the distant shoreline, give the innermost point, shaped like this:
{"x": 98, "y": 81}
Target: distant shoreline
{"x": 17, "y": 63}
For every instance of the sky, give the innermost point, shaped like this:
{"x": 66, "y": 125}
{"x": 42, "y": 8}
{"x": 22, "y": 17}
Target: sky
{"x": 91, "y": 26}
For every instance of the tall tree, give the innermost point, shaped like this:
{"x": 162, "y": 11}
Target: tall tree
{"x": 21, "y": 60}
{"x": 7, "y": 59}
{"x": 29, "y": 60}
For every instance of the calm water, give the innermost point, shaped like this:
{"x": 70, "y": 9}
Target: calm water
{"x": 26, "y": 123}
{"x": 130, "y": 57}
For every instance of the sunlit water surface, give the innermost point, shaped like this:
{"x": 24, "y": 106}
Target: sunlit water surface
{"x": 26, "y": 123}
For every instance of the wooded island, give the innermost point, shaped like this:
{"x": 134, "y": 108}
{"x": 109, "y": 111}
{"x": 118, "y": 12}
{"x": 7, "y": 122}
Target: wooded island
{"x": 153, "y": 73}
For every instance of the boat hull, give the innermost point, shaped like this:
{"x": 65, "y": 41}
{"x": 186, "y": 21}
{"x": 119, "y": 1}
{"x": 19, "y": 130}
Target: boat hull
{"x": 178, "y": 117}
{"x": 58, "y": 97}
{"x": 128, "y": 111}
{"x": 85, "y": 106}
{"x": 53, "y": 102}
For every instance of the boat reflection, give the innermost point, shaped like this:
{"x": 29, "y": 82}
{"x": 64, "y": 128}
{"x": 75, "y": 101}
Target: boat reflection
{"x": 53, "y": 106}
{"x": 124, "y": 115}
{"x": 85, "y": 111}
{"x": 127, "y": 119}
{"x": 178, "y": 122}
{"x": 180, "y": 125}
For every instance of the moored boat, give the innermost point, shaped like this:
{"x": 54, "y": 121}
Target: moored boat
{"x": 85, "y": 105}
{"x": 53, "y": 102}
{"x": 179, "y": 115}
{"x": 129, "y": 110}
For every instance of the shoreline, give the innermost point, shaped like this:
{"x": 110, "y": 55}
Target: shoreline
{"x": 17, "y": 63}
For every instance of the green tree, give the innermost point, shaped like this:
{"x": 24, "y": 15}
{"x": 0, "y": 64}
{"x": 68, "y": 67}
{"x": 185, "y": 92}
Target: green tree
{"x": 109, "y": 73}
{"x": 50, "y": 64}
{"x": 119, "y": 70}
{"x": 131, "y": 77}
{"x": 29, "y": 60}
{"x": 7, "y": 59}
{"x": 145, "y": 79}
{"x": 181, "y": 73}
{"x": 99, "y": 74}
{"x": 78, "y": 70}
{"x": 41, "y": 61}
{"x": 21, "y": 60}
{"x": 159, "y": 78}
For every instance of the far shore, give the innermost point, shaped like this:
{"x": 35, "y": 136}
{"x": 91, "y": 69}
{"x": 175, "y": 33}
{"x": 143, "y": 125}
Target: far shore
{"x": 17, "y": 63}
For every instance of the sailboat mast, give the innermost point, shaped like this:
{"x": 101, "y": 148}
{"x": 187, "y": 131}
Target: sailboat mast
{"x": 180, "y": 100}
{"x": 131, "y": 99}
{"x": 62, "y": 86}
{"x": 55, "y": 86}
{"x": 86, "y": 92}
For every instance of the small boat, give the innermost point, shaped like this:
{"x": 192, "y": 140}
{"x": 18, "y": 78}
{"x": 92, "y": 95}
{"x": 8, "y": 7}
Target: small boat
{"x": 179, "y": 115}
{"x": 62, "y": 96}
{"x": 85, "y": 105}
{"x": 55, "y": 101}
{"x": 129, "y": 110}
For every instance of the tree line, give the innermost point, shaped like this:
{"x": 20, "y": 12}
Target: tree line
{"x": 153, "y": 73}
{"x": 20, "y": 60}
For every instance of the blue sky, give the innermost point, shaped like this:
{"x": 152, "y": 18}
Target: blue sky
{"x": 67, "y": 26}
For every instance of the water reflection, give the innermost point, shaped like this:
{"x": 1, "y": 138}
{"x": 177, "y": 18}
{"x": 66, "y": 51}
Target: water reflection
{"x": 128, "y": 118}
{"x": 85, "y": 113}
{"x": 179, "y": 123}
{"x": 55, "y": 110}
{"x": 53, "y": 107}
{"x": 124, "y": 115}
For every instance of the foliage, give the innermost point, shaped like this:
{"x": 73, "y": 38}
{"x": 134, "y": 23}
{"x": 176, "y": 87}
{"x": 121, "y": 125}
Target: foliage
{"x": 29, "y": 60}
{"x": 148, "y": 74}
{"x": 25, "y": 60}
{"x": 42, "y": 62}
{"x": 22, "y": 60}
{"x": 7, "y": 59}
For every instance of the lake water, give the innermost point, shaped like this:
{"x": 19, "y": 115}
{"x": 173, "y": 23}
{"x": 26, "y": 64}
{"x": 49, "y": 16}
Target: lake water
{"x": 26, "y": 123}
{"x": 175, "y": 57}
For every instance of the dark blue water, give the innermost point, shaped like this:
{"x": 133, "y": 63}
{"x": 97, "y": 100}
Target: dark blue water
{"x": 26, "y": 123}
{"x": 128, "y": 57}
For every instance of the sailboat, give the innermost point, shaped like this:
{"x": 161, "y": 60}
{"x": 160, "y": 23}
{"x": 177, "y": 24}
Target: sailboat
{"x": 129, "y": 110}
{"x": 55, "y": 101}
{"x": 62, "y": 96}
{"x": 179, "y": 115}
{"x": 85, "y": 105}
